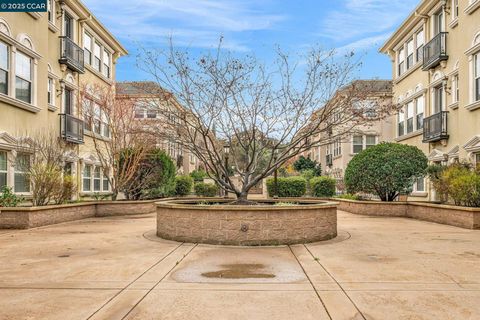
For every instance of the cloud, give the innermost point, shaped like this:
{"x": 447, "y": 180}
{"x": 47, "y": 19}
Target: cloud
{"x": 197, "y": 23}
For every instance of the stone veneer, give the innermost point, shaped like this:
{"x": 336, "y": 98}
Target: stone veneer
{"x": 183, "y": 220}
{"x": 30, "y": 217}
{"x": 463, "y": 217}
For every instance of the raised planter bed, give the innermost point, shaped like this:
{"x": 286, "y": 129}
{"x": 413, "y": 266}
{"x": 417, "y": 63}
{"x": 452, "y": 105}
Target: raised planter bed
{"x": 31, "y": 217}
{"x": 468, "y": 218}
{"x": 264, "y": 224}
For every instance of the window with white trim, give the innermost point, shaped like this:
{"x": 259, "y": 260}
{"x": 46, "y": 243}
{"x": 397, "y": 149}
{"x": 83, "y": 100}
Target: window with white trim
{"x": 106, "y": 63}
{"x": 97, "y": 60}
{"x": 87, "y": 178}
{"x": 23, "y": 77}
{"x": 51, "y": 11}
{"x": 420, "y": 38}
{"x": 97, "y": 122}
{"x": 419, "y": 185}
{"x": 401, "y": 61}
{"x": 477, "y": 77}
{"x": 437, "y": 99}
{"x": 357, "y": 143}
{"x": 50, "y": 92}
{"x": 4, "y": 67}
{"x": 105, "y": 183}
{"x": 401, "y": 123}
{"x": 410, "y": 54}
{"x": 22, "y": 166}
{"x": 455, "y": 89}
{"x": 3, "y": 170}
{"x": 410, "y": 117}
{"x": 455, "y": 9}
{"x": 337, "y": 148}
{"x": 420, "y": 111}
{"x": 87, "y": 47}
{"x": 97, "y": 179}
{"x": 370, "y": 141}
{"x": 87, "y": 113}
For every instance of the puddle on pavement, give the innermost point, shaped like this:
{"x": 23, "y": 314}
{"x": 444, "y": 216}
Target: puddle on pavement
{"x": 239, "y": 271}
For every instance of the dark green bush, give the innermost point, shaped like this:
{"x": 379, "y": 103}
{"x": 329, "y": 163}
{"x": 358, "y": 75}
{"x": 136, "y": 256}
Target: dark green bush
{"x": 386, "y": 170}
{"x": 303, "y": 164}
{"x": 322, "y": 186}
{"x": 287, "y": 187}
{"x": 198, "y": 175}
{"x": 8, "y": 198}
{"x": 206, "y": 189}
{"x": 183, "y": 185}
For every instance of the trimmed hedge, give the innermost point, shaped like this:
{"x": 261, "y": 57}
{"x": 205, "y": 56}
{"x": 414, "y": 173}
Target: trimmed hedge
{"x": 322, "y": 186}
{"x": 206, "y": 189}
{"x": 183, "y": 185}
{"x": 287, "y": 187}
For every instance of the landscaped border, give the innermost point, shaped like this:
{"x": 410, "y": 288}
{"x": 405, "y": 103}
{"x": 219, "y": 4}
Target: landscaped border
{"x": 184, "y": 220}
{"x": 468, "y": 218}
{"x": 31, "y": 217}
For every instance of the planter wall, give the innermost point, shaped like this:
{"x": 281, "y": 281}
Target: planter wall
{"x": 31, "y": 217}
{"x": 179, "y": 220}
{"x": 463, "y": 217}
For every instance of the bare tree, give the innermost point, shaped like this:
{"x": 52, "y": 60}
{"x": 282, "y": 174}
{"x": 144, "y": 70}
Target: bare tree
{"x": 266, "y": 113}
{"x": 120, "y": 142}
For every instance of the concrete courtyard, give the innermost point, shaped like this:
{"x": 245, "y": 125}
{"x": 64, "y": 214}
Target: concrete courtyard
{"x": 115, "y": 268}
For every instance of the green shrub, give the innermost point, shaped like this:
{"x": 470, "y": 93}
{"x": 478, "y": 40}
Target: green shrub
{"x": 183, "y": 185}
{"x": 206, "y": 189}
{"x": 322, "y": 186}
{"x": 464, "y": 189}
{"x": 287, "y": 187}
{"x": 198, "y": 175}
{"x": 348, "y": 196}
{"x": 386, "y": 170}
{"x": 8, "y": 198}
{"x": 303, "y": 164}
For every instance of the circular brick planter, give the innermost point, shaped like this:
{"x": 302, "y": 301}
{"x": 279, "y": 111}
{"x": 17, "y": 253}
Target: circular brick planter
{"x": 265, "y": 224}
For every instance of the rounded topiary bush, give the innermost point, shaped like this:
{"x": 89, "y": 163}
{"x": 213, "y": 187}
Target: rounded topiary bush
{"x": 386, "y": 170}
{"x": 322, "y": 186}
{"x": 206, "y": 189}
{"x": 287, "y": 187}
{"x": 183, "y": 185}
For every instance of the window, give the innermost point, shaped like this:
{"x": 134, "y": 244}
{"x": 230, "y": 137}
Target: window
{"x": 139, "y": 112}
{"x": 67, "y": 169}
{"x": 96, "y": 179}
{"x": 401, "y": 123}
{"x": 410, "y": 54}
{"x": 401, "y": 61}
{"x": 419, "y": 185}
{"x": 51, "y": 10}
{"x": 22, "y": 165}
{"x": 439, "y": 23}
{"x": 337, "y": 148}
{"x": 105, "y": 125}
{"x": 96, "y": 59}
{"x": 23, "y": 80}
{"x": 370, "y": 140}
{"x": 477, "y": 77}
{"x": 4, "y": 63}
{"x": 410, "y": 117}
{"x": 420, "y": 44}
{"x": 455, "y": 89}
{"x": 455, "y": 10}
{"x": 105, "y": 183}
{"x": 87, "y": 177}
{"x": 50, "y": 93}
{"x": 152, "y": 113}
{"x": 420, "y": 112}
{"x": 87, "y": 48}
{"x": 97, "y": 123}
{"x": 357, "y": 144}
{"x": 3, "y": 169}
{"x": 437, "y": 99}
{"x": 477, "y": 159}
{"x": 87, "y": 114}
{"x": 68, "y": 101}
{"x": 106, "y": 63}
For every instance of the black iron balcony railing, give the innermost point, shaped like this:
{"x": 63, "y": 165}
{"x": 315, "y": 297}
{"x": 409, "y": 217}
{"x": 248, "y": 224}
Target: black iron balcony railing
{"x": 329, "y": 160}
{"x": 435, "y": 127}
{"x": 435, "y": 51}
{"x": 71, "y": 128}
{"x": 71, "y": 55}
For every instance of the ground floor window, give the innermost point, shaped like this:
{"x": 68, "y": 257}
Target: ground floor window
{"x": 3, "y": 169}
{"x": 87, "y": 178}
{"x": 96, "y": 179}
{"x": 22, "y": 165}
{"x": 477, "y": 159}
{"x": 357, "y": 144}
{"x": 105, "y": 183}
{"x": 419, "y": 185}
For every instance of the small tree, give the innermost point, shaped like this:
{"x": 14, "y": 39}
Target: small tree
{"x": 198, "y": 175}
{"x": 386, "y": 170}
{"x": 303, "y": 164}
{"x": 183, "y": 185}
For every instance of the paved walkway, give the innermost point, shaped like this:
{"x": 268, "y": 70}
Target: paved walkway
{"x": 115, "y": 268}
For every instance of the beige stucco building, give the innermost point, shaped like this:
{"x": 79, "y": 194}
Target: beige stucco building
{"x": 435, "y": 57}
{"x": 45, "y": 58}
{"x": 158, "y": 110}
{"x": 334, "y": 155}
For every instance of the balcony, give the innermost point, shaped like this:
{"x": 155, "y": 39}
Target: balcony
{"x": 435, "y": 127}
{"x": 435, "y": 51}
{"x": 71, "y": 55}
{"x": 71, "y": 129}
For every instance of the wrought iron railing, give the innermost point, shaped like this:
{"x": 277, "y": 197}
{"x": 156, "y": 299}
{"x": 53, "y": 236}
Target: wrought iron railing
{"x": 71, "y": 54}
{"x": 435, "y": 51}
{"x": 435, "y": 127}
{"x": 71, "y": 128}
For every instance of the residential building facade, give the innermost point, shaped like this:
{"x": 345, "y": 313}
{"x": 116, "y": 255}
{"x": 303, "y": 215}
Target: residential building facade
{"x": 335, "y": 155}
{"x": 159, "y": 116}
{"x": 435, "y": 56}
{"x": 45, "y": 59}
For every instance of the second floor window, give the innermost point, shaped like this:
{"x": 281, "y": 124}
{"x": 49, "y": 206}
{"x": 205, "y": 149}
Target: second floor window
{"x": 106, "y": 63}
{"x": 23, "y": 79}
{"x": 87, "y": 48}
{"x": 96, "y": 59}
{"x": 420, "y": 110}
{"x": 410, "y": 54}
{"x": 401, "y": 61}
{"x": 4, "y": 62}
{"x": 477, "y": 77}
{"x": 437, "y": 99}
{"x": 420, "y": 43}
{"x": 455, "y": 89}
{"x": 401, "y": 123}
{"x": 68, "y": 101}
{"x": 410, "y": 117}
{"x": 455, "y": 10}
{"x": 51, "y": 10}
{"x": 50, "y": 93}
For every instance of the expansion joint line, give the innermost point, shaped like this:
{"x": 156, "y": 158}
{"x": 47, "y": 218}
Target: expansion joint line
{"x": 158, "y": 282}
{"x": 311, "y": 283}
{"x": 128, "y": 285}
{"x": 338, "y": 284}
